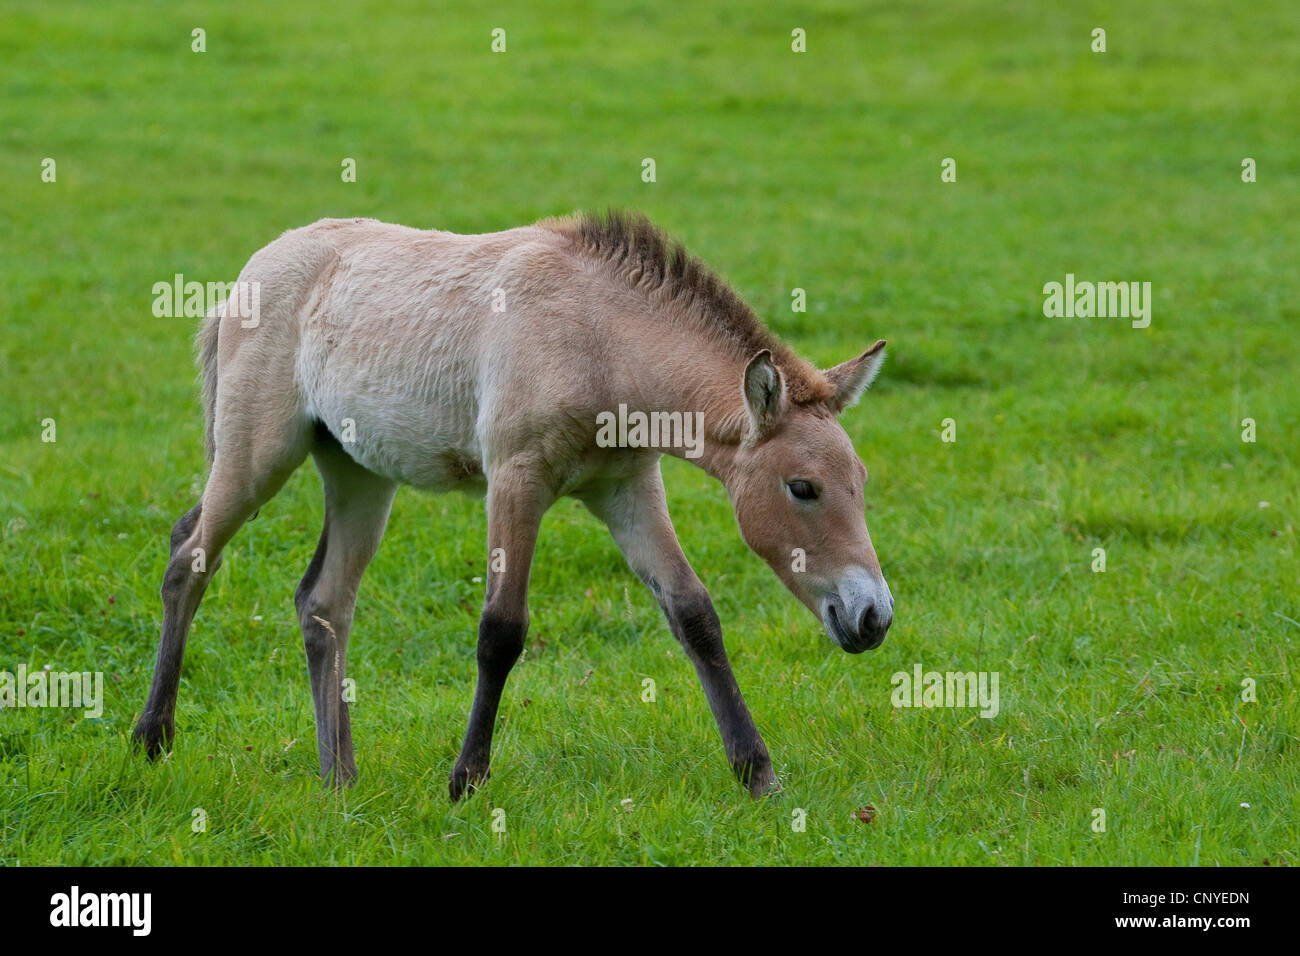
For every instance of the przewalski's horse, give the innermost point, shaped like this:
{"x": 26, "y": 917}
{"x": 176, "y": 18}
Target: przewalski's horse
{"x": 485, "y": 363}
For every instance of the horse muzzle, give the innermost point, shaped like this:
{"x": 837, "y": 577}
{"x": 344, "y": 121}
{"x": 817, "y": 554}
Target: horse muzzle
{"x": 857, "y": 615}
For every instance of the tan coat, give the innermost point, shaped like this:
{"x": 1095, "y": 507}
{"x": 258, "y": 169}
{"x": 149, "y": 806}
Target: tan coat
{"x": 525, "y": 364}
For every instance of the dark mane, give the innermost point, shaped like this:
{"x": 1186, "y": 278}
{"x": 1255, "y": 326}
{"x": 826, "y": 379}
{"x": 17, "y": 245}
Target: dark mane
{"x": 648, "y": 259}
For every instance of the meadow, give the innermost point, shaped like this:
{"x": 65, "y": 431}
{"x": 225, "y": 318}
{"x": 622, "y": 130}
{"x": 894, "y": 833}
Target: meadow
{"x": 1161, "y": 690}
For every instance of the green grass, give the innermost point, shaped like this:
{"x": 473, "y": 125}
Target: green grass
{"x": 1119, "y": 690}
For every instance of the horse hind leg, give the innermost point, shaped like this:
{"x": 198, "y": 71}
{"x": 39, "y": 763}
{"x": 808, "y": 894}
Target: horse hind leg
{"x": 246, "y": 473}
{"x": 357, "y": 502}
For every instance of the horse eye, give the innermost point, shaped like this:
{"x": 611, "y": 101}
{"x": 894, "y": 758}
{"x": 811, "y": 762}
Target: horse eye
{"x": 802, "y": 490}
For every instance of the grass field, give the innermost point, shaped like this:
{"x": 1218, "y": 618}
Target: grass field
{"x": 1120, "y": 691}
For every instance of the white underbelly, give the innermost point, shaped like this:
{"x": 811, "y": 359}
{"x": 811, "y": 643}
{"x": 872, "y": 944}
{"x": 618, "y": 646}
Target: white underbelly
{"x": 415, "y": 429}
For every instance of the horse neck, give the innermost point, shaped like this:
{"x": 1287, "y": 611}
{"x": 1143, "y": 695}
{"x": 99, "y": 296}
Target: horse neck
{"x": 694, "y": 376}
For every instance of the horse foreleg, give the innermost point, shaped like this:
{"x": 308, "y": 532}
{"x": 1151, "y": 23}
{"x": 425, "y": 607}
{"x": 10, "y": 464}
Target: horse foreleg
{"x": 636, "y": 513}
{"x": 515, "y": 509}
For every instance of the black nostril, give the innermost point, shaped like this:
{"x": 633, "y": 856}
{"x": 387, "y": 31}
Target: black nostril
{"x": 873, "y": 622}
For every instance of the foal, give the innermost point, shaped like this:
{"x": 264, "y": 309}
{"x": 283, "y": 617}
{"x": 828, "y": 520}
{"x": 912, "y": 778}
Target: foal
{"x": 495, "y": 363}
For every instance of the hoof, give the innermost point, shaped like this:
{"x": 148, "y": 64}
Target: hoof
{"x": 764, "y": 782}
{"x": 339, "y": 779}
{"x": 153, "y": 737}
{"x": 755, "y": 773}
{"x": 465, "y": 781}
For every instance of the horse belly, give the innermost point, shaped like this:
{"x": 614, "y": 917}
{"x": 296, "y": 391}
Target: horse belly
{"x": 417, "y": 448}
{"x": 416, "y": 429}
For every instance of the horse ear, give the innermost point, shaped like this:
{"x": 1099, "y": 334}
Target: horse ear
{"x": 852, "y": 377}
{"x": 764, "y": 390}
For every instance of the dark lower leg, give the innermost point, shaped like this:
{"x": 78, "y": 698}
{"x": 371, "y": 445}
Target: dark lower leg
{"x": 324, "y": 636}
{"x": 514, "y": 515}
{"x": 500, "y": 642}
{"x": 695, "y": 624}
{"x": 184, "y": 582}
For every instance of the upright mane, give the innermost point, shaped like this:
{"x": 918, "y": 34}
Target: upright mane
{"x": 641, "y": 254}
